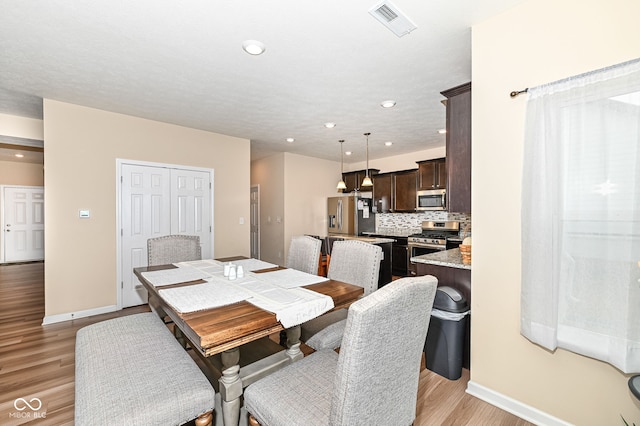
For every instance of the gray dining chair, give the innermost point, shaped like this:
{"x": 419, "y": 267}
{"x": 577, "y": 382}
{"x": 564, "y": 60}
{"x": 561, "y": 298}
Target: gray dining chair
{"x": 354, "y": 262}
{"x": 374, "y": 379}
{"x": 172, "y": 249}
{"x": 304, "y": 254}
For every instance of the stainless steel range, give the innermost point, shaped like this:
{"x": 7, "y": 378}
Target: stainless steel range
{"x": 432, "y": 239}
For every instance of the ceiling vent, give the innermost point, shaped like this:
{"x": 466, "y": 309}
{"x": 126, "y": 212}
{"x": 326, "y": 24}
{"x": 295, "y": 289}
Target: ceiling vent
{"x": 391, "y": 17}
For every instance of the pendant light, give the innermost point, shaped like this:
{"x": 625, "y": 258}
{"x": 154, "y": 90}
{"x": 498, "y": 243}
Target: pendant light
{"x": 367, "y": 180}
{"x": 341, "y": 184}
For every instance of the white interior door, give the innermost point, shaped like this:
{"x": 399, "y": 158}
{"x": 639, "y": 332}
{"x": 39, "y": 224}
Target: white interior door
{"x": 191, "y": 206}
{"x": 23, "y": 223}
{"x": 255, "y": 221}
{"x": 146, "y": 213}
{"x": 157, "y": 200}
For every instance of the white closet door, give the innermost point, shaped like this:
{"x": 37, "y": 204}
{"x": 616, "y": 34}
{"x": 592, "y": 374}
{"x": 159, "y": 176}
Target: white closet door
{"x": 23, "y": 224}
{"x": 146, "y": 213}
{"x": 191, "y": 206}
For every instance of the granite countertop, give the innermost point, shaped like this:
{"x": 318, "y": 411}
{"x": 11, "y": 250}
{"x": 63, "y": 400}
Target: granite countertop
{"x": 370, "y": 240}
{"x": 395, "y": 232}
{"x": 451, "y": 258}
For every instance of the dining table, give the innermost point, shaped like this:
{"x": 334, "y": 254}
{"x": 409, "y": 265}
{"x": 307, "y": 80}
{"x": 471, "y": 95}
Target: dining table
{"x": 226, "y": 329}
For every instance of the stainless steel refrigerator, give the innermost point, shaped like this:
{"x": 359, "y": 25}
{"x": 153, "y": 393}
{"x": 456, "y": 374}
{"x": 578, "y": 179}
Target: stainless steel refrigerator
{"x": 350, "y": 215}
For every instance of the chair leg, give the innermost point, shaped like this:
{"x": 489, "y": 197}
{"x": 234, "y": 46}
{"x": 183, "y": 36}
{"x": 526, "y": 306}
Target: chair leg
{"x": 205, "y": 419}
{"x": 253, "y": 421}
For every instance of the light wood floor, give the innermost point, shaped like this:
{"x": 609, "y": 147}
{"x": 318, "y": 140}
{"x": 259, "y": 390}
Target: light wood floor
{"x": 38, "y": 362}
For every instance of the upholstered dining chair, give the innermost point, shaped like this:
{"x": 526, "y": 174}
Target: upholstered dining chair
{"x": 173, "y": 248}
{"x": 304, "y": 254}
{"x": 354, "y": 262}
{"x": 374, "y": 379}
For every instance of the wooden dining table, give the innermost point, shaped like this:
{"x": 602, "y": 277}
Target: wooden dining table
{"x": 224, "y": 330}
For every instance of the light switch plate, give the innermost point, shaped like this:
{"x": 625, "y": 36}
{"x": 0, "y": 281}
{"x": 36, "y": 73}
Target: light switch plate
{"x": 84, "y": 214}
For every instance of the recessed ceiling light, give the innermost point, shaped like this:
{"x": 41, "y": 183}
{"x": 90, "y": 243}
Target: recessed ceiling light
{"x": 329, "y": 125}
{"x": 388, "y": 143}
{"x": 19, "y": 155}
{"x": 388, "y": 104}
{"x": 290, "y": 140}
{"x": 253, "y": 47}
{"x": 347, "y": 153}
{"x": 442, "y": 131}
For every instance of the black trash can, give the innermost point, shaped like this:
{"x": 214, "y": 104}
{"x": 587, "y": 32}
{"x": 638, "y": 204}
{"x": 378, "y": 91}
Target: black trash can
{"x": 444, "y": 346}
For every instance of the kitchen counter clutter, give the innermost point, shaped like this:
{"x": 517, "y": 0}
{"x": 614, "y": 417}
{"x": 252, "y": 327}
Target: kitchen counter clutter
{"x": 451, "y": 258}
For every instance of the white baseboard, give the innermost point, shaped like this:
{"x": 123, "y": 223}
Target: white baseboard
{"x": 52, "y": 319}
{"x": 514, "y": 407}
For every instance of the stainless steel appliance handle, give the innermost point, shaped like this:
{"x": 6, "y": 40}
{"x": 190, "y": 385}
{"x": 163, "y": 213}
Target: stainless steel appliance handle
{"x": 340, "y": 215}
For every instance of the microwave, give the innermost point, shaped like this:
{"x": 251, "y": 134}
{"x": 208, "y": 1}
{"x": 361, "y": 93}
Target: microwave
{"x": 432, "y": 199}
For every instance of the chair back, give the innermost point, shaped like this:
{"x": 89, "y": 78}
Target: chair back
{"x": 172, "y": 249}
{"x": 356, "y": 262}
{"x": 376, "y": 380}
{"x": 304, "y": 254}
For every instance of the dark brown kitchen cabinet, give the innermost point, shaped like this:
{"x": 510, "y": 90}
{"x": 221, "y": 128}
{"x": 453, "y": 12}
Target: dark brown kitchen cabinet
{"x": 353, "y": 180}
{"x": 405, "y": 190}
{"x": 432, "y": 174}
{"x": 382, "y": 192}
{"x": 459, "y": 148}
{"x": 395, "y": 192}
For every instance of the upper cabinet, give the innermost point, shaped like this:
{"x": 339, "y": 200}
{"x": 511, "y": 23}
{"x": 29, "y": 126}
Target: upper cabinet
{"x": 432, "y": 174}
{"x": 405, "y": 190}
{"x": 353, "y": 180}
{"x": 395, "y": 192}
{"x": 382, "y": 191}
{"x": 458, "y": 147}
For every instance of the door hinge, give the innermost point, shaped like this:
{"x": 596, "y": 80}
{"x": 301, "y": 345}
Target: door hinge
{"x": 121, "y": 179}
{"x": 122, "y": 284}
{"x": 121, "y": 232}
{"x": 209, "y": 228}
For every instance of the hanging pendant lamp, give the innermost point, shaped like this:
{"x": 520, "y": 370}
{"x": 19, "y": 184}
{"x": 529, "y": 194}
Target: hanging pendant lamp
{"x": 367, "y": 180}
{"x": 341, "y": 184}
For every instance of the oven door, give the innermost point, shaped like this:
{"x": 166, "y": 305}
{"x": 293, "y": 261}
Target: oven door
{"x": 420, "y": 249}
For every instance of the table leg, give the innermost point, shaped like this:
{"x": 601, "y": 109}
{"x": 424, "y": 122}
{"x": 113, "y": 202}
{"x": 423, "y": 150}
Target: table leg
{"x": 293, "y": 343}
{"x": 230, "y": 387}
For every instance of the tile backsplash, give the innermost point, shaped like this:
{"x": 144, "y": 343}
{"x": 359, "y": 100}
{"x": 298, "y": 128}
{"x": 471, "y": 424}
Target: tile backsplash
{"x": 410, "y": 223}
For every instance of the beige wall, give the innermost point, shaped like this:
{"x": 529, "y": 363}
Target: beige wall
{"x": 17, "y": 173}
{"x": 537, "y": 42}
{"x": 308, "y": 183}
{"x": 21, "y": 127}
{"x": 81, "y": 148}
{"x": 268, "y": 173}
{"x": 293, "y": 188}
{"x": 400, "y": 162}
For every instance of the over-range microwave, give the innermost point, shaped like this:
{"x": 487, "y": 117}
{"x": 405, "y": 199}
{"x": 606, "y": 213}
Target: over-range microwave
{"x": 432, "y": 199}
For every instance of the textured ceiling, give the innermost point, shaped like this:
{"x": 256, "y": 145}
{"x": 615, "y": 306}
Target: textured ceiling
{"x": 182, "y": 63}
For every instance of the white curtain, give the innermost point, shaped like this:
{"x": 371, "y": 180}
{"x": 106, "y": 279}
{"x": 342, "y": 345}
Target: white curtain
{"x": 581, "y": 216}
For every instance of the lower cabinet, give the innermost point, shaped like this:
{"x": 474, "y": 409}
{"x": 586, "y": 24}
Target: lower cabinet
{"x": 460, "y": 279}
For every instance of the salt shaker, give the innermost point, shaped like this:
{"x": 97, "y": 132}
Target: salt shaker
{"x": 227, "y": 266}
{"x": 232, "y": 272}
{"x": 240, "y": 271}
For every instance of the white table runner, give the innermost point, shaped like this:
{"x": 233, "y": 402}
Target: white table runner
{"x": 199, "y": 297}
{"x": 290, "y": 278}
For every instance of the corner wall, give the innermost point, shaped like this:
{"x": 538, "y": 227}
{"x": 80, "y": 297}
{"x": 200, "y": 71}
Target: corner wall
{"x": 537, "y": 42}
{"x": 81, "y": 148}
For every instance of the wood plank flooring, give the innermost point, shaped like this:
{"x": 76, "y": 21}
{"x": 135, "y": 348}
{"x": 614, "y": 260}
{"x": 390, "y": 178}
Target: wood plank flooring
{"x": 38, "y": 362}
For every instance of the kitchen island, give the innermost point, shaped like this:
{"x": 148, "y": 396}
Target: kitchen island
{"x": 448, "y": 268}
{"x": 451, "y": 258}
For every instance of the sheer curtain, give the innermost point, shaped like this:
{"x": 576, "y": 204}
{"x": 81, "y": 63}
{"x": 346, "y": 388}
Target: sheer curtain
{"x": 581, "y": 216}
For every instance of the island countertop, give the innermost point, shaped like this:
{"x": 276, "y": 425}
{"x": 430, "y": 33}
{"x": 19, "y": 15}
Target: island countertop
{"x": 370, "y": 240}
{"x": 451, "y": 258}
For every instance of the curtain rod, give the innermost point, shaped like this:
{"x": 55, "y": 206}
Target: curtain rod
{"x": 514, "y": 93}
